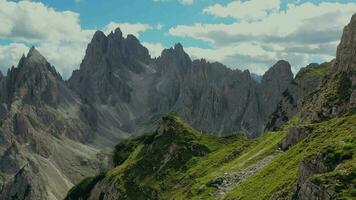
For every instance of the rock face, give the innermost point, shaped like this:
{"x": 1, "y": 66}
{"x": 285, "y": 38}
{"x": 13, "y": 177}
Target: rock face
{"x": 42, "y": 129}
{"x": 118, "y": 74}
{"x": 295, "y": 135}
{"x": 274, "y": 82}
{"x": 304, "y": 83}
{"x": 336, "y": 94}
{"x": 308, "y": 190}
{"x": 47, "y": 123}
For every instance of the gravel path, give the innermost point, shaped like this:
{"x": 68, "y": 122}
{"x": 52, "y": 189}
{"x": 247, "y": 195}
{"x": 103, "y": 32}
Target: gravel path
{"x": 230, "y": 180}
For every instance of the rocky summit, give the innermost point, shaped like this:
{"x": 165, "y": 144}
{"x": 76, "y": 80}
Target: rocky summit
{"x": 118, "y": 78}
{"x": 179, "y": 128}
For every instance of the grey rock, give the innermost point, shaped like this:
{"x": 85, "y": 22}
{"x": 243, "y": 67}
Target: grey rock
{"x": 61, "y": 127}
{"x": 119, "y": 74}
{"x": 42, "y": 133}
{"x": 305, "y": 82}
{"x": 336, "y": 92}
{"x": 295, "y": 134}
{"x": 307, "y": 189}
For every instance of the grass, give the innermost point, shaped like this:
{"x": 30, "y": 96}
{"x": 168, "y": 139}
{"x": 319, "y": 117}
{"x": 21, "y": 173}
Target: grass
{"x": 282, "y": 173}
{"x": 318, "y": 70}
{"x": 178, "y": 162}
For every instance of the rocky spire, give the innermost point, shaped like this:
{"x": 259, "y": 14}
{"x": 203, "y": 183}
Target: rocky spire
{"x": 345, "y": 55}
{"x": 273, "y": 83}
{"x": 35, "y": 56}
{"x": 106, "y": 66}
{"x": 33, "y": 80}
{"x": 337, "y": 91}
{"x": 178, "y": 59}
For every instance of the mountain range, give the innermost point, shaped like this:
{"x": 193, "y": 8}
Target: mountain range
{"x": 55, "y": 132}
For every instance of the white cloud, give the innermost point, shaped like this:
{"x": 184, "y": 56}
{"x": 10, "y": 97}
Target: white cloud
{"x": 299, "y": 34}
{"x": 183, "y": 2}
{"x": 246, "y": 10}
{"x": 131, "y": 28}
{"x": 57, "y": 34}
{"x": 187, "y": 2}
{"x": 155, "y": 49}
{"x": 10, "y": 55}
{"x": 33, "y": 22}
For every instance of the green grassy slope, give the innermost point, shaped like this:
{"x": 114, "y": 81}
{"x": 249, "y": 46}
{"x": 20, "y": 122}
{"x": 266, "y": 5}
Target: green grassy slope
{"x": 318, "y": 70}
{"x": 177, "y": 162}
{"x": 335, "y": 138}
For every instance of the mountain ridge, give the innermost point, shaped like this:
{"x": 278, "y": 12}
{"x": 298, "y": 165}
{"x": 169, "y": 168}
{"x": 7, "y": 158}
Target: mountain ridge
{"x": 312, "y": 155}
{"x": 57, "y": 132}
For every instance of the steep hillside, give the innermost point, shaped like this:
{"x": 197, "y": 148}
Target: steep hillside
{"x": 305, "y": 82}
{"x": 42, "y": 131}
{"x": 177, "y": 162}
{"x": 336, "y": 95}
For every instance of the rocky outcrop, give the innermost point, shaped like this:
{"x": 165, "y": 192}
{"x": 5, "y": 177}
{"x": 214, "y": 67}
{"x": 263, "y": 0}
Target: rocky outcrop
{"x": 23, "y": 187}
{"x": 104, "y": 73}
{"x": 274, "y": 82}
{"x": 336, "y": 94}
{"x": 295, "y": 134}
{"x": 42, "y": 128}
{"x": 34, "y": 81}
{"x": 307, "y": 190}
{"x": 304, "y": 83}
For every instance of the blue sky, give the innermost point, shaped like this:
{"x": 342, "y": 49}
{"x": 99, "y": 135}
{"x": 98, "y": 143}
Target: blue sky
{"x": 246, "y": 34}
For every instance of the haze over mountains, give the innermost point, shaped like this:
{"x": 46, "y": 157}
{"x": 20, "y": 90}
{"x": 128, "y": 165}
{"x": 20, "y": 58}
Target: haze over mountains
{"x": 53, "y": 132}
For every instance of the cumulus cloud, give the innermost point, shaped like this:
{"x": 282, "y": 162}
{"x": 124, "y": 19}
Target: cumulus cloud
{"x": 245, "y": 10}
{"x": 187, "y": 2}
{"x": 299, "y": 33}
{"x": 10, "y": 55}
{"x": 34, "y": 22}
{"x": 131, "y": 28}
{"x": 57, "y": 34}
{"x": 183, "y": 2}
{"x": 155, "y": 49}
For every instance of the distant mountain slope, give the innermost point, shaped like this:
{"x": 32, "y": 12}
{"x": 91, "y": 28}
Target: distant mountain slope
{"x": 42, "y": 131}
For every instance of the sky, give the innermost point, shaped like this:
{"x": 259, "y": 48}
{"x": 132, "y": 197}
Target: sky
{"x": 243, "y": 34}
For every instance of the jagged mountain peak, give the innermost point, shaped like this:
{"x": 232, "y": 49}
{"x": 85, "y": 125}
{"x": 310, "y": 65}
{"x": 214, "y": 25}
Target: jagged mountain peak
{"x": 35, "y": 62}
{"x": 118, "y": 31}
{"x": 174, "y": 59}
{"x": 283, "y": 67}
{"x": 178, "y": 47}
{"x": 336, "y": 94}
{"x": 98, "y": 35}
{"x": 345, "y": 55}
{"x": 176, "y": 50}
{"x": 35, "y": 56}
{"x": 34, "y": 80}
